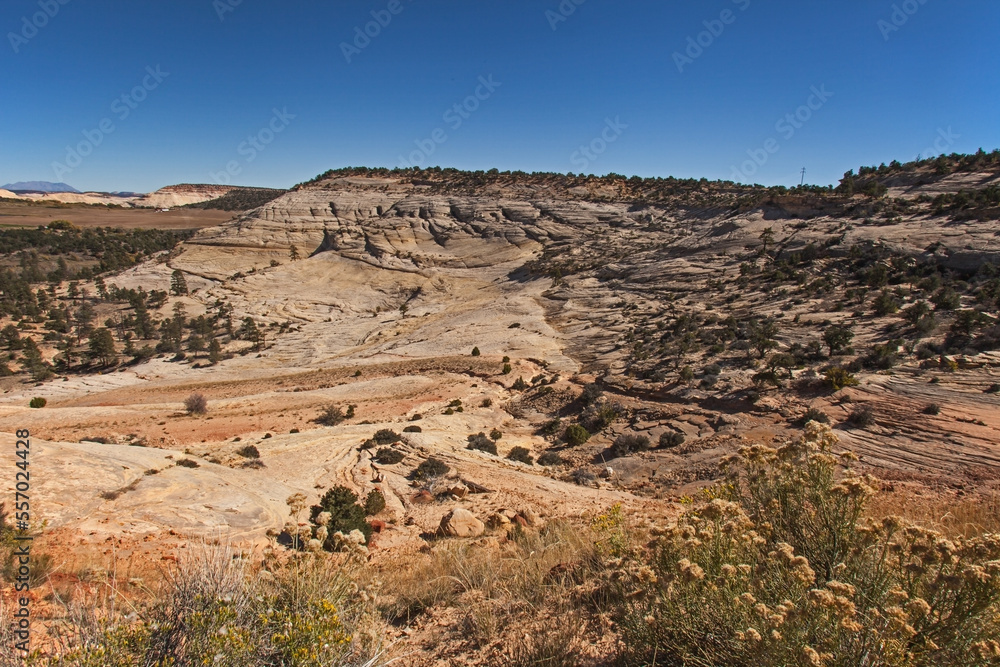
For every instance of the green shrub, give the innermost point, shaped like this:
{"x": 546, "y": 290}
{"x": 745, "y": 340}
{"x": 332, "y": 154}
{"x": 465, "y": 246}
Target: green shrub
{"x": 551, "y": 427}
{"x": 188, "y": 463}
{"x": 946, "y": 299}
{"x": 522, "y": 454}
{"x": 495, "y": 435}
{"x": 345, "y": 515}
{"x": 550, "y": 459}
{"x": 507, "y": 368}
{"x": 629, "y": 443}
{"x": 519, "y": 384}
{"x": 413, "y": 429}
{"x": 838, "y": 378}
{"x": 374, "y": 502}
{"x": 885, "y": 303}
{"x": 475, "y": 352}
{"x": 480, "y": 442}
{"x": 601, "y": 414}
{"x": 576, "y": 434}
{"x": 782, "y": 567}
{"x": 882, "y": 357}
{"x": 431, "y": 468}
{"x": 388, "y": 456}
{"x": 932, "y": 409}
{"x": 37, "y": 402}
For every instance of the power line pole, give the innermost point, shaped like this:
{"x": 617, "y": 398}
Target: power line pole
{"x": 803, "y": 177}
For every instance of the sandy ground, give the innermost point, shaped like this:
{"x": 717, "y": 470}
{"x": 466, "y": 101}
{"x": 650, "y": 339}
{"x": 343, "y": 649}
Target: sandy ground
{"x": 25, "y": 215}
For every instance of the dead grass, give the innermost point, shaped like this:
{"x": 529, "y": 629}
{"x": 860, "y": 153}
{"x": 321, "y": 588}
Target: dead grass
{"x": 493, "y": 581}
{"x": 967, "y": 515}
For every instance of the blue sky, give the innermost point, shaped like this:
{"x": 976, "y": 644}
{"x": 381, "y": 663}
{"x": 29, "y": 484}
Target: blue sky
{"x": 267, "y": 93}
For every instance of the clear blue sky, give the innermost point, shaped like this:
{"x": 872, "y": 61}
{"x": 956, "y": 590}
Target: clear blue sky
{"x": 894, "y": 92}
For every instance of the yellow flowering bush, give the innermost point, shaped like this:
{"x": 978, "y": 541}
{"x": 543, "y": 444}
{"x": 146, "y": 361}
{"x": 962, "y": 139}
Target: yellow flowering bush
{"x": 219, "y": 614}
{"x": 782, "y": 568}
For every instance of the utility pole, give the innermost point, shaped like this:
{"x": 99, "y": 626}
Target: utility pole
{"x": 803, "y": 177}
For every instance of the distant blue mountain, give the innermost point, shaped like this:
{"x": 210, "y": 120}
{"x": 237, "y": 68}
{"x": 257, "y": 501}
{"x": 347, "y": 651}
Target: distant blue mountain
{"x": 38, "y": 186}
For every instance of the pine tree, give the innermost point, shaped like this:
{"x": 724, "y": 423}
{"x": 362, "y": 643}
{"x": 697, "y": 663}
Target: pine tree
{"x": 178, "y": 285}
{"x": 102, "y": 346}
{"x": 214, "y": 352}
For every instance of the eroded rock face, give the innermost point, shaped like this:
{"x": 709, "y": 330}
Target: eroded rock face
{"x": 461, "y": 523}
{"x": 181, "y": 195}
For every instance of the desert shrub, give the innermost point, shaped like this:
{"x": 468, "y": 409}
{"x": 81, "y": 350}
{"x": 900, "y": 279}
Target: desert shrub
{"x": 783, "y": 568}
{"x": 814, "y": 415}
{"x": 387, "y": 456}
{"x": 196, "y": 404}
{"x": 476, "y": 352}
{"x": 882, "y": 357}
{"x": 37, "y": 402}
{"x": 480, "y": 442}
{"x": 519, "y": 384}
{"x": 522, "y": 454}
{"x": 385, "y": 436}
{"x": 671, "y": 439}
{"x": 932, "y": 409}
{"x": 431, "y": 468}
{"x": 838, "y": 378}
{"x": 629, "y": 443}
{"x": 486, "y": 403}
{"x": 496, "y": 434}
{"x": 550, "y": 459}
{"x": 507, "y": 368}
{"x": 576, "y": 434}
{"x": 601, "y": 414}
{"x": 345, "y": 515}
{"x": 188, "y": 463}
{"x": 374, "y": 502}
{"x": 591, "y": 393}
{"x": 332, "y": 415}
{"x": 550, "y": 427}
{"x": 583, "y": 477}
{"x": 992, "y": 389}
{"x": 837, "y": 338}
{"x": 249, "y": 452}
{"x": 216, "y": 609}
{"x": 413, "y": 429}
{"x": 862, "y": 416}
{"x": 416, "y": 417}
{"x": 886, "y": 303}
{"x": 946, "y": 299}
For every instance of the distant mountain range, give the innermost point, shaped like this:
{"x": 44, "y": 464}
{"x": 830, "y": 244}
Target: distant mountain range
{"x": 38, "y": 186}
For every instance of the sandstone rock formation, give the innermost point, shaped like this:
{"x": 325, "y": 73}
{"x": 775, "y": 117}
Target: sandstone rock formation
{"x": 461, "y": 523}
